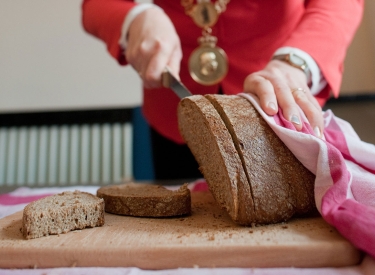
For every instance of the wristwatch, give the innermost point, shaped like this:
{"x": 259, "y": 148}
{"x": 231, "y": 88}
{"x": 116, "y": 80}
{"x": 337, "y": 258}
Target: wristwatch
{"x": 295, "y": 61}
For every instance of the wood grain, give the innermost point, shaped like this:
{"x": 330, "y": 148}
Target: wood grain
{"x": 207, "y": 238}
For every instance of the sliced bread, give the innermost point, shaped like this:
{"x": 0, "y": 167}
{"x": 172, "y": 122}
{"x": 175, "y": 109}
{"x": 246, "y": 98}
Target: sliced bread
{"x": 145, "y": 200}
{"x": 274, "y": 173}
{"x": 276, "y": 184}
{"x": 62, "y": 213}
{"x": 212, "y": 146}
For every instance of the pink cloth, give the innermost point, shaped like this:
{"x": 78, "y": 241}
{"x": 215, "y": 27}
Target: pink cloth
{"x": 7, "y": 199}
{"x": 345, "y": 173}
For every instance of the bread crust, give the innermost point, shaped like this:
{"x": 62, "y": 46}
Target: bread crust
{"x": 145, "y": 200}
{"x": 274, "y": 184}
{"x": 211, "y": 144}
{"x": 281, "y": 186}
{"x": 62, "y": 213}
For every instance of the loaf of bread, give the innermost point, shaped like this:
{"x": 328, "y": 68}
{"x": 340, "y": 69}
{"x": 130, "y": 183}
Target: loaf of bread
{"x": 62, "y": 213}
{"x": 145, "y": 200}
{"x": 249, "y": 170}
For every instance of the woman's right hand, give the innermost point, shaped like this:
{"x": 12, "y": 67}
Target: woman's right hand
{"x": 153, "y": 44}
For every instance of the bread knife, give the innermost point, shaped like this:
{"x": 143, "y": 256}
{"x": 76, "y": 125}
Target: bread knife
{"x": 171, "y": 82}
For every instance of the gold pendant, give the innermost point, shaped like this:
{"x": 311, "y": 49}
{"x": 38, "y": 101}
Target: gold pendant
{"x": 204, "y": 14}
{"x": 208, "y": 64}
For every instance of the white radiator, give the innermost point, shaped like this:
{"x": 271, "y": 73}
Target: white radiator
{"x": 65, "y": 154}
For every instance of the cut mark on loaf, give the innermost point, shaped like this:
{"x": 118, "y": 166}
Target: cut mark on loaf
{"x": 281, "y": 186}
{"x": 236, "y": 142}
{"x": 212, "y": 146}
{"x": 268, "y": 184}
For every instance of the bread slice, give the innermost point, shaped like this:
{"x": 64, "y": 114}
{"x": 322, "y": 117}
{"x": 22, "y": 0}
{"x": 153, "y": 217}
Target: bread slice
{"x": 211, "y": 144}
{"x": 62, "y": 213}
{"x": 278, "y": 185}
{"x": 145, "y": 200}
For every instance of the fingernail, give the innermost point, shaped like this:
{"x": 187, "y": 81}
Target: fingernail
{"x": 317, "y": 131}
{"x": 295, "y": 120}
{"x": 272, "y": 106}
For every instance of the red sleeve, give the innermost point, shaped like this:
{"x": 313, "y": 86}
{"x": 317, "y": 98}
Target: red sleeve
{"x": 325, "y": 32}
{"x": 104, "y": 19}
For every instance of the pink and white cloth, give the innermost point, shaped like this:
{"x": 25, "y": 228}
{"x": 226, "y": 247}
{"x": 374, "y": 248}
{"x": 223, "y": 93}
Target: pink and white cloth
{"x": 345, "y": 173}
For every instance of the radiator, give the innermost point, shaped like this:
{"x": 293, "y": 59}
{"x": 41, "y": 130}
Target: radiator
{"x": 59, "y": 155}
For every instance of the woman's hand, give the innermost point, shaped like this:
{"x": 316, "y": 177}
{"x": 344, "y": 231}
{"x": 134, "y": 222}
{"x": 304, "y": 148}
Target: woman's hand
{"x": 280, "y": 84}
{"x": 153, "y": 44}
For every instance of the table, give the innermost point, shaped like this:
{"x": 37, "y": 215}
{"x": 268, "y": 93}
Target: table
{"x": 15, "y": 200}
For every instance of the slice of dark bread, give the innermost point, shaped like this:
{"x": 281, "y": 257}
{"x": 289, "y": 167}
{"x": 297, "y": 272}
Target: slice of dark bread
{"x": 145, "y": 200}
{"x": 279, "y": 185}
{"x": 211, "y": 144}
{"x": 62, "y": 213}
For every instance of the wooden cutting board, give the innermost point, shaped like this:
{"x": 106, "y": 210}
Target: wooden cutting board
{"x": 207, "y": 238}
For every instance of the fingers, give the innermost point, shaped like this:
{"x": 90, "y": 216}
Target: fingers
{"x": 311, "y": 108}
{"x": 152, "y": 45}
{"x": 163, "y": 57}
{"x": 288, "y": 90}
{"x": 263, "y": 88}
{"x": 153, "y": 70}
{"x": 150, "y": 60}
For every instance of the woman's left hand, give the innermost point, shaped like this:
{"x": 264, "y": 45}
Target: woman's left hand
{"x": 282, "y": 85}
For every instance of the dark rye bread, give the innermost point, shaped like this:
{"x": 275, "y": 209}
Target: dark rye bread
{"x": 62, "y": 213}
{"x": 278, "y": 185}
{"x": 274, "y": 173}
{"x": 212, "y": 146}
{"x": 145, "y": 200}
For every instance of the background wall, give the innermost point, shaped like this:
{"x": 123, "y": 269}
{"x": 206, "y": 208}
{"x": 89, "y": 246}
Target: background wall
{"x": 359, "y": 74}
{"x": 47, "y": 61}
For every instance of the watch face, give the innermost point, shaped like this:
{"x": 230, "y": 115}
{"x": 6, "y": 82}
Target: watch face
{"x": 296, "y": 60}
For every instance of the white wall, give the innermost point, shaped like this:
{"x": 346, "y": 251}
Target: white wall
{"x": 47, "y": 61}
{"x": 359, "y": 74}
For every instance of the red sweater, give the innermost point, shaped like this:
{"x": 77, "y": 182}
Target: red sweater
{"x": 249, "y": 31}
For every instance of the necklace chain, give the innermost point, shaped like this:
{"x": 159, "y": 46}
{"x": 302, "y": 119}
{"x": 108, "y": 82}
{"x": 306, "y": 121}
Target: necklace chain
{"x": 220, "y": 5}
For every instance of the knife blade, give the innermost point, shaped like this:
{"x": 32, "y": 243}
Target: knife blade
{"x": 171, "y": 82}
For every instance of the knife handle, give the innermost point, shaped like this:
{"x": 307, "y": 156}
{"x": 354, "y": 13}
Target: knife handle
{"x": 166, "y": 78}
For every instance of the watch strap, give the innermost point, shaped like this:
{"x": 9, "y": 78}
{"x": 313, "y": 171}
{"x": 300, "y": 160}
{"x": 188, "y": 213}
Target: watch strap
{"x": 288, "y": 58}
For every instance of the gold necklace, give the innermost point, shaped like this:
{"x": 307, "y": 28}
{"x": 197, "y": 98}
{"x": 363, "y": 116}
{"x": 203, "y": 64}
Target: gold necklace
{"x": 208, "y": 64}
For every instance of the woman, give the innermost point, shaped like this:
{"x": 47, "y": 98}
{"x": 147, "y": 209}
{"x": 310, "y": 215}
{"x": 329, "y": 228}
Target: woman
{"x": 289, "y": 53}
